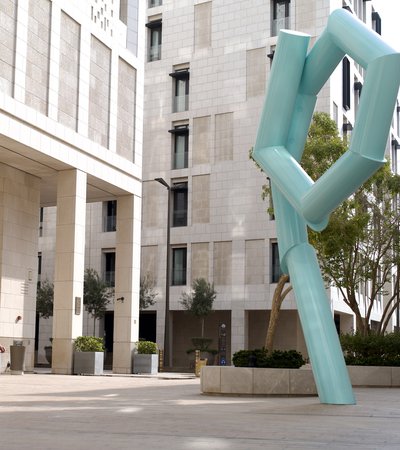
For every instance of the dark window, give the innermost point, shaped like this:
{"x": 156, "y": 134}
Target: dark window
{"x": 376, "y": 22}
{"x": 395, "y": 147}
{"x": 155, "y": 37}
{"x": 109, "y": 268}
{"x": 110, "y": 216}
{"x": 41, "y": 222}
{"x": 180, "y": 203}
{"x": 180, "y": 90}
{"x": 180, "y": 136}
{"x": 275, "y": 264}
{"x": 153, "y": 3}
{"x": 179, "y": 266}
{"x": 346, "y": 84}
{"x": 39, "y": 263}
{"x": 280, "y": 15}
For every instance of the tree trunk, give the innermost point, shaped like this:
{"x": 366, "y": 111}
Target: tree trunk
{"x": 277, "y": 300}
{"x": 94, "y": 326}
{"x": 202, "y": 326}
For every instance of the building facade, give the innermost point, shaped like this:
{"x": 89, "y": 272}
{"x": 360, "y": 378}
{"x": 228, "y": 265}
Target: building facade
{"x": 206, "y": 73}
{"x": 71, "y": 93}
{"x": 206, "y": 66}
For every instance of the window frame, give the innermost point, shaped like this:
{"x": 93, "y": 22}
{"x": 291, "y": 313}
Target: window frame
{"x": 179, "y": 276}
{"x": 276, "y": 270}
{"x": 177, "y": 190}
{"x": 178, "y": 132}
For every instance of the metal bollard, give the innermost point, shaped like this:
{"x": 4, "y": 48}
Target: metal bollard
{"x": 161, "y": 360}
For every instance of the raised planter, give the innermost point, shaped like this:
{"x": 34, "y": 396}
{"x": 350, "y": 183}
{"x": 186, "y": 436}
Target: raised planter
{"x": 88, "y": 363}
{"x": 145, "y": 363}
{"x": 257, "y": 381}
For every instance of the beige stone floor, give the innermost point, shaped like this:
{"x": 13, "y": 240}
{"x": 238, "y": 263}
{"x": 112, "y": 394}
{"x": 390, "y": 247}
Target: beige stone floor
{"x": 43, "y": 411}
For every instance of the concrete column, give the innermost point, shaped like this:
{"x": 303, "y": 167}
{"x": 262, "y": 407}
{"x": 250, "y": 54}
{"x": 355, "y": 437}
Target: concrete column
{"x": 238, "y": 326}
{"x": 69, "y": 267}
{"x": 127, "y": 282}
{"x": 19, "y": 216}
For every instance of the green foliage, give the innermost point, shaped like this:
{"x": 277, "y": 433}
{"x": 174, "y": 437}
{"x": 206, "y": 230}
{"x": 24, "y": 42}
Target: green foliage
{"x": 202, "y": 344}
{"x": 45, "y": 299}
{"x": 96, "y": 294}
{"x": 89, "y": 344}
{"x": 371, "y": 350}
{"x": 361, "y": 244}
{"x": 199, "y": 302}
{"x": 278, "y": 359}
{"x": 147, "y": 293}
{"x": 147, "y": 347}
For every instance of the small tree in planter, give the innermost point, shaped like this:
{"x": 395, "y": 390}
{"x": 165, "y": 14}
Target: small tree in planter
{"x": 96, "y": 295}
{"x": 199, "y": 303}
{"x": 88, "y": 355}
{"x": 146, "y": 358}
{"x": 44, "y": 307}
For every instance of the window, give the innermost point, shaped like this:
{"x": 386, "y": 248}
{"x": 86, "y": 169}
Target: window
{"x": 335, "y": 113}
{"x": 398, "y": 119}
{"x": 41, "y": 214}
{"x": 347, "y": 129}
{"x": 275, "y": 264}
{"x": 346, "y": 84}
{"x": 395, "y": 147}
{"x": 179, "y": 256}
{"x": 109, "y": 267}
{"x": 180, "y": 90}
{"x": 180, "y": 203}
{"x": 39, "y": 268}
{"x": 280, "y": 15}
{"x": 180, "y": 136}
{"x": 357, "y": 95}
{"x": 110, "y": 216}
{"x": 155, "y": 34}
{"x": 153, "y": 3}
{"x": 376, "y": 22}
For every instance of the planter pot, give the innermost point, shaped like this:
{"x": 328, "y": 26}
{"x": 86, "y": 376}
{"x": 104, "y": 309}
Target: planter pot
{"x": 48, "y": 352}
{"x": 88, "y": 363}
{"x": 17, "y": 359}
{"x": 145, "y": 363}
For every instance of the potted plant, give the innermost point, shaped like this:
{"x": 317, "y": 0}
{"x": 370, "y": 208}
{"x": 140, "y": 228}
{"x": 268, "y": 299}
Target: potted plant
{"x": 48, "y": 351}
{"x": 88, "y": 355}
{"x": 199, "y": 303}
{"x": 145, "y": 359}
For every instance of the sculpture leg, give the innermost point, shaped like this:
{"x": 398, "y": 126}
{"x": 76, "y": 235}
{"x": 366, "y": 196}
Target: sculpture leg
{"x": 330, "y": 372}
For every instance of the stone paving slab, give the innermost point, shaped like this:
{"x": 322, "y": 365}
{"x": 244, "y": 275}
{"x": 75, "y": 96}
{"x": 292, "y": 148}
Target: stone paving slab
{"x": 43, "y": 411}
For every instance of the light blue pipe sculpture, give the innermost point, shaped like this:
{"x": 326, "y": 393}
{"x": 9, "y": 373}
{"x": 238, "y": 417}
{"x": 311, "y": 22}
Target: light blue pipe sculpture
{"x": 295, "y": 80}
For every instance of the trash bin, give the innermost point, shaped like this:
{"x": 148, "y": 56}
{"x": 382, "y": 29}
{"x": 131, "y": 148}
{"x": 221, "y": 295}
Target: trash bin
{"x": 17, "y": 358}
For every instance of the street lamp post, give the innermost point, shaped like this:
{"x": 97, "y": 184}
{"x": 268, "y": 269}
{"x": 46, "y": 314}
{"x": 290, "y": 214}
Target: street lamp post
{"x": 167, "y": 276}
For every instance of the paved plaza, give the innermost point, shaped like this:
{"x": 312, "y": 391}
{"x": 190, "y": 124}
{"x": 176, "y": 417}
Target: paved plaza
{"x": 43, "y": 411}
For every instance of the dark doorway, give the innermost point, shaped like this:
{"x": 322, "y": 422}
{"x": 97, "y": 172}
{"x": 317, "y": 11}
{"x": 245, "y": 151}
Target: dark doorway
{"x": 148, "y": 325}
{"x": 108, "y": 338}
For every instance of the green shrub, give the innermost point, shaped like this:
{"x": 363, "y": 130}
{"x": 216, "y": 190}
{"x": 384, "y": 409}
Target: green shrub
{"x": 147, "y": 347}
{"x": 290, "y": 359}
{"x": 89, "y": 344}
{"x": 371, "y": 350}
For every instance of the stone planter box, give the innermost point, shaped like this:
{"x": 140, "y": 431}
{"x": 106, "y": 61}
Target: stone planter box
{"x": 143, "y": 363}
{"x": 257, "y": 381}
{"x": 88, "y": 363}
